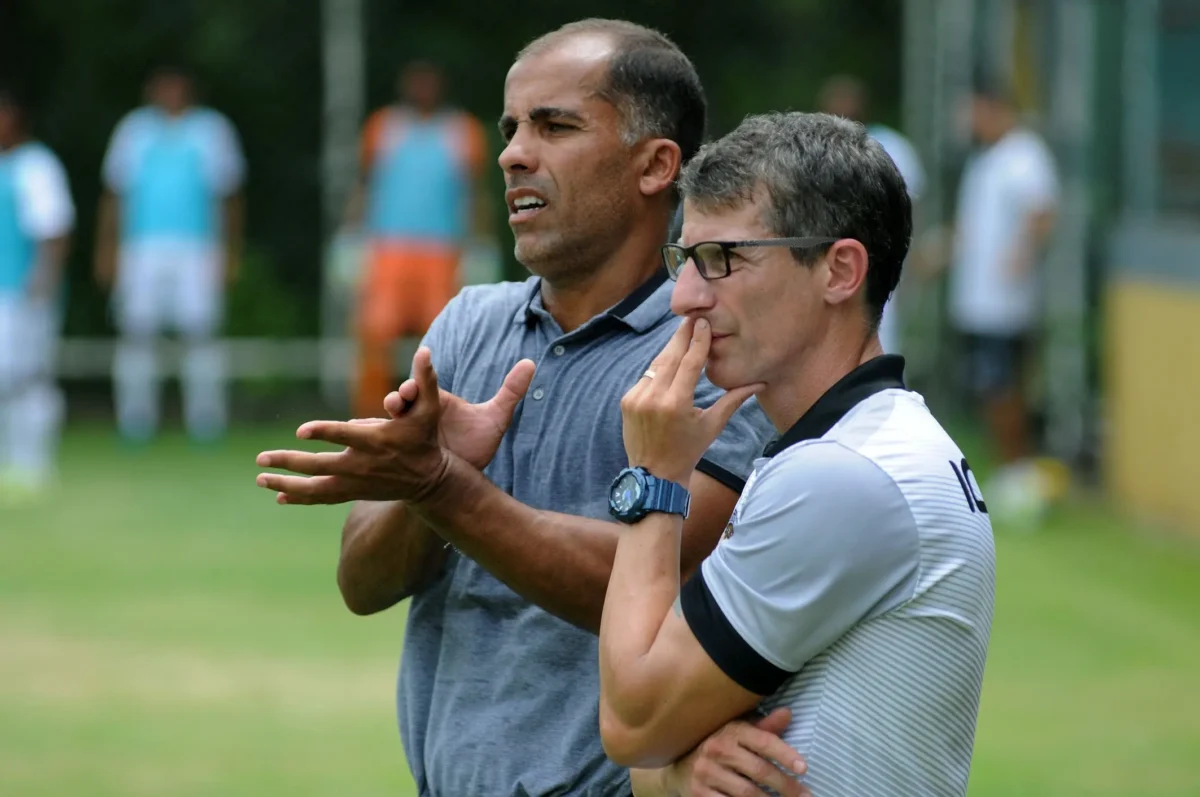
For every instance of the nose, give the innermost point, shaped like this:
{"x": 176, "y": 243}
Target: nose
{"x": 693, "y": 295}
{"x": 520, "y": 154}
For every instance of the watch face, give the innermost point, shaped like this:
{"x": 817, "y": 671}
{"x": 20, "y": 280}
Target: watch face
{"x": 626, "y": 492}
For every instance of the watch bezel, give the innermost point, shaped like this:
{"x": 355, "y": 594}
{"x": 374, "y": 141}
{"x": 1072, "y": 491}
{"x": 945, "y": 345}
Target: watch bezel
{"x": 637, "y": 510}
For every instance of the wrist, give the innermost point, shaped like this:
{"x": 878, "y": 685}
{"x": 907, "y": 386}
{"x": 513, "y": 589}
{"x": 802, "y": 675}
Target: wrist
{"x": 671, "y": 472}
{"x": 441, "y": 486}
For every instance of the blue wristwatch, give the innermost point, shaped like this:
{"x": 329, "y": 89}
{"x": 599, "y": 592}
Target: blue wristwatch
{"x": 635, "y": 494}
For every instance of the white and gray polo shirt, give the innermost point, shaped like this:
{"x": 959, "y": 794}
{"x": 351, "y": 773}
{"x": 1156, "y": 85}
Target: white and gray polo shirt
{"x": 854, "y": 584}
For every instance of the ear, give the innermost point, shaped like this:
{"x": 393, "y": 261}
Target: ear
{"x": 847, "y": 271}
{"x": 658, "y": 165}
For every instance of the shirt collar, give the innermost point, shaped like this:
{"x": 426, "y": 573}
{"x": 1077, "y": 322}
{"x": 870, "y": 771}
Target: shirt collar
{"x": 877, "y": 374}
{"x": 640, "y": 310}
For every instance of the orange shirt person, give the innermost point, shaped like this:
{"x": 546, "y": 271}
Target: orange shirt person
{"x": 420, "y": 164}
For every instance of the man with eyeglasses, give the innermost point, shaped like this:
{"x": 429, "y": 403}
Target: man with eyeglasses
{"x": 487, "y": 501}
{"x": 855, "y": 581}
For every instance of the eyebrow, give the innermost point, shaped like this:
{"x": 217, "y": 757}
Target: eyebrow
{"x": 541, "y": 114}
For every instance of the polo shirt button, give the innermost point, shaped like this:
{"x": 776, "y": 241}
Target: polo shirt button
{"x": 559, "y": 350}
{"x": 538, "y": 394}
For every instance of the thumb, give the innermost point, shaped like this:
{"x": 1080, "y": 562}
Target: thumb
{"x": 776, "y": 722}
{"x": 427, "y": 398}
{"x": 513, "y": 390}
{"x": 719, "y": 413}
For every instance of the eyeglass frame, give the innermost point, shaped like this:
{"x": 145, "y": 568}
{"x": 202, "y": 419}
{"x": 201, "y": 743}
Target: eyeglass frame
{"x": 727, "y": 246}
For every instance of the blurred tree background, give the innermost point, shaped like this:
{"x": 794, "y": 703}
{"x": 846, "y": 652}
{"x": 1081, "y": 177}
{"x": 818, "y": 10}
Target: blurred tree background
{"x": 83, "y": 63}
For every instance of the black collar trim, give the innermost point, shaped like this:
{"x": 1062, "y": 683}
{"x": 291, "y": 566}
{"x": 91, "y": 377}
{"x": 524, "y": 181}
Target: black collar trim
{"x": 875, "y": 375}
{"x": 619, "y": 311}
{"x": 636, "y": 299}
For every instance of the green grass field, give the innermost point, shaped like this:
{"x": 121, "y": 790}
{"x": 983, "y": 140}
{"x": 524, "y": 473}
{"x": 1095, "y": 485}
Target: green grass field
{"x": 166, "y": 629}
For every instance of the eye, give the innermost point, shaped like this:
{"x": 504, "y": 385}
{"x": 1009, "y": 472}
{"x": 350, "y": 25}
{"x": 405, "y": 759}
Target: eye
{"x": 558, "y": 127}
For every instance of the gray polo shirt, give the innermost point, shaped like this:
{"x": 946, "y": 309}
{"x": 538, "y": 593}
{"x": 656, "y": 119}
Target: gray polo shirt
{"x": 496, "y": 697}
{"x": 855, "y": 585}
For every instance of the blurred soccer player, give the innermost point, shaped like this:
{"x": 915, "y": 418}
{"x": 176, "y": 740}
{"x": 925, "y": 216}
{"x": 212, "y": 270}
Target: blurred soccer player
{"x": 36, "y": 217}
{"x": 1006, "y": 211}
{"x": 846, "y": 96}
{"x": 169, "y": 242}
{"x": 417, "y": 200}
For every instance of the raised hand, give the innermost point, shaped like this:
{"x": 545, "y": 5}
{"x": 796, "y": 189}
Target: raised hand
{"x": 663, "y": 430}
{"x": 471, "y": 431}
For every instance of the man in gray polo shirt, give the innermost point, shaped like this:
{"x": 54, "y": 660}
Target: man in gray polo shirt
{"x": 508, "y": 569}
{"x": 855, "y": 580}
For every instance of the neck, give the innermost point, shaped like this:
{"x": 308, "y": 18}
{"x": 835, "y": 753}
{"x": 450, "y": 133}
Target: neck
{"x": 786, "y": 399}
{"x": 576, "y": 298}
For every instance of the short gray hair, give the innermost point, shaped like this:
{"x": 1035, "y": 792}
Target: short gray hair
{"x": 651, "y": 83}
{"x": 821, "y": 176}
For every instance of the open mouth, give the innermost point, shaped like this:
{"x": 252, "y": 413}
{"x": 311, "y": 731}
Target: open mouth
{"x": 524, "y": 207}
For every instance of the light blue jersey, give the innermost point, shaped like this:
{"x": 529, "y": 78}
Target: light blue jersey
{"x": 420, "y": 175}
{"x": 172, "y": 173}
{"x": 34, "y": 206}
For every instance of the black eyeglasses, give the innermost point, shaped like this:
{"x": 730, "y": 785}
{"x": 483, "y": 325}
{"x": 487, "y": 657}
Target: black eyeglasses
{"x": 712, "y": 257}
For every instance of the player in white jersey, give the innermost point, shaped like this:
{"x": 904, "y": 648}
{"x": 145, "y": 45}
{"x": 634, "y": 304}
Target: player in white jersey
{"x": 36, "y": 217}
{"x": 854, "y": 583}
{"x": 169, "y": 240}
{"x": 1006, "y": 213}
{"x": 844, "y": 95}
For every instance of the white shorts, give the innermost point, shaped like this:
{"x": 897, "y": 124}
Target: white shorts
{"x": 175, "y": 285}
{"x": 28, "y": 341}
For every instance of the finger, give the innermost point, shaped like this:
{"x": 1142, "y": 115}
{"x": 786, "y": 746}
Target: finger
{"x": 667, "y": 361}
{"x": 723, "y": 409}
{"x": 427, "y": 399}
{"x": 339, "y": 433}
{"x": 301, "y": 489}
{"x": 692, "y": 363}
{"x": 727, "y": 783}
{"x": 307, "y": 462}
{"x": 367, "y": 421}
{"x": 763, "y": 772}
{"x": 769, "y": 746}
{"x": 776, "y": 722}
{"x": 513, "y": 390}
{"x": 401, "y": 399}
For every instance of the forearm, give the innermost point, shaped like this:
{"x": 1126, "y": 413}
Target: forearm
{"x": 235, "y": 221}
{"x": 641, "y": 591}
{"x": 558, "y": 562}
{"x": 387, "y": 555}
{"x": 356, "y": 205}
{"x": 652, "y": 783}
{"x": 106, "y": 227}
{"x": 48, "y": 265}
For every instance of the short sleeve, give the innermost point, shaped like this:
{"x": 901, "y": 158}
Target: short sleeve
{"x": 117, "y": 171}
{"x": 47, "y": 210}
{"x": 1035, "y": 176}
{"x": 822, "y": 540}
{"x": 731, "y": 457}
{"x": 228, "y": 161}
{"x": 909, "y": 164}
{"x": 474, "y": 144}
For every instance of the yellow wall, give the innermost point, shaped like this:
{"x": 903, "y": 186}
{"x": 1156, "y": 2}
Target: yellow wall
{"x": 1153, "y": 395}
